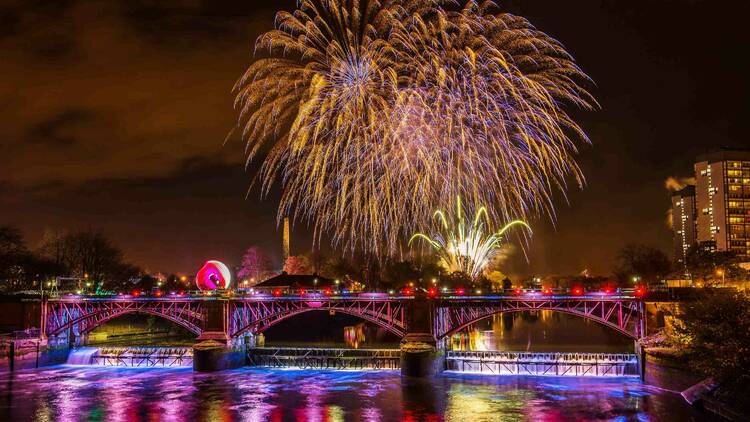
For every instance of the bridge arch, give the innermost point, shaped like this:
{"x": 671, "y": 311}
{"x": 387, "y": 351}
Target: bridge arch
{"x": 263, "y": 325}
{"x": 596, "y": 320}
{"x": 257, "y": 316}
{"x": 623, "y": 316}
{"x": 62, "y": 316}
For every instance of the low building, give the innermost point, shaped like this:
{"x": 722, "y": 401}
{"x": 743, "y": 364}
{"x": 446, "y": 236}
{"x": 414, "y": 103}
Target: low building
{"x": 293, "y": 283}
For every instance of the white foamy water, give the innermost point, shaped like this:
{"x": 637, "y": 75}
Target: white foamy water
{"x": 82, "y": 355}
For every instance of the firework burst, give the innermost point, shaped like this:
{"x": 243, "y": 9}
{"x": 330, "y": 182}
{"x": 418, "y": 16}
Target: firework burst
{"x": 463, "y": 245}
{"x": 370, "y": 113}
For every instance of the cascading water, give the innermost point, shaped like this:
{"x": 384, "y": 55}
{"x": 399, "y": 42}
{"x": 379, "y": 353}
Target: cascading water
{"x": 82, "y": 356}
{"x": 132, "y": 356}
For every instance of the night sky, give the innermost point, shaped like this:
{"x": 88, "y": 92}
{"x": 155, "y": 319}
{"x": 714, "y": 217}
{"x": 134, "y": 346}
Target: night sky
{"x": 113, "y": 116}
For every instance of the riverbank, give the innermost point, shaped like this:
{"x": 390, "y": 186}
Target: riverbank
{"x": 667, "y": 369}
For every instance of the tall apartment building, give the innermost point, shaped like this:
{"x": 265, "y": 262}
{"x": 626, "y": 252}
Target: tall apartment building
{"x": 683, "y": 222}
{"x": 722, "y": 195}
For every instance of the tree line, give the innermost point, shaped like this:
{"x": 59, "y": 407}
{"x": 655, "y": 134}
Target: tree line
{"x": 366, "y": 272}
{"x": 92, "y": 258}
{"x": 643, "y": 264}
{"x": 87, "y": 255}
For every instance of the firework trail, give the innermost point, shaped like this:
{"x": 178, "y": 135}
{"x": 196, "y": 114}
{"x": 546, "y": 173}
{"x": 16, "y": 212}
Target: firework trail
{"x": 462, "y": 245}
{"x": 372, "y": 113}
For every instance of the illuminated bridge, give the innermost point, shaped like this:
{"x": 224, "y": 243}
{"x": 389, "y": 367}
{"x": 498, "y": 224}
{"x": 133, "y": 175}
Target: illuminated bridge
{"x": 229, "y": 318}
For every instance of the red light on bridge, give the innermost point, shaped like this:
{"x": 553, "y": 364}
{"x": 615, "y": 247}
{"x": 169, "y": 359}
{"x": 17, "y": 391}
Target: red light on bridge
{"x": 328, "y": 292}
{"x": 577, "y": 291}
{"x": 302, "y": 292}
{"x": 407, "y": 291}
{"x": 607, "y": 290}
{"x": 460, "y": 291}
{"x": 547, "y": 291}
{"x": 517, "y": 292}
{"x": 136, "y": 293}
{"x": 157, "y": 293}
{"x": 432, "y": 292}
{"x": 277, "y": 292}
{"x": 640, "y": 291}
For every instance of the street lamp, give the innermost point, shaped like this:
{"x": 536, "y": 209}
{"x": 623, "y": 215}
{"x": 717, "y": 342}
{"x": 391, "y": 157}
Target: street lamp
{"x": 722, "y": 274}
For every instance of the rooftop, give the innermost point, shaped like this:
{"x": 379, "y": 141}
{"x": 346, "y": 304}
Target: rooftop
{"x": 297, "y": 281}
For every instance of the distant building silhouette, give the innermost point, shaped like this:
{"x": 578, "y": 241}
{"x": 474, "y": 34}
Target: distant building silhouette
{"x": 683, "y": 222}
{"x": 285, "y": 245}
{"x": 715, "y": 212}
{"x": 722, "y": 195}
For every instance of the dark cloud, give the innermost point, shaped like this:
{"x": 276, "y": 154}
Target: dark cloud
{"x": 54, "y": 130}
{"x": 40, "y": 28}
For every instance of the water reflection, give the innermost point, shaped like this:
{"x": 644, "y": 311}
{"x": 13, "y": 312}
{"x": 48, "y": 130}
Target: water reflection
{"x": 354, "y": 335}
{"x": 70, "y": 393}
{"x": 540, "y": 331}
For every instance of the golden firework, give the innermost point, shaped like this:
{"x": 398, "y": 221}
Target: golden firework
{"x": 465, "y": 246}
{"x": 370, "y": 113}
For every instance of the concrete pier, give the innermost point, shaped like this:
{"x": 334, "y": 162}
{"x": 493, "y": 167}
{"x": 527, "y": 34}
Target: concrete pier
{"x": 214, "y": 350}
{"x": 420, "y": 356}
{"x": 211, "y": 355}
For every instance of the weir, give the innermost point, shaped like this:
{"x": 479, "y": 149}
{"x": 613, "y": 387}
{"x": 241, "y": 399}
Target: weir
{"x": 549, "y": 364}
{"x": 485, "y": 362}
{"x": 135, "y": 357}
{"x": 323, "y": 358}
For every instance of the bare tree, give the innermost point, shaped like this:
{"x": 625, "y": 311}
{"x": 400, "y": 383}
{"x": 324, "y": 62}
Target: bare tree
{"x": 255, "y": 264}
{"x": 642, "y": 262}
{"x": 297, "y": 264}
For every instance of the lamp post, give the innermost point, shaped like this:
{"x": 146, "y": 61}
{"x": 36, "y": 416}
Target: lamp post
{"x": 722, "y": 274}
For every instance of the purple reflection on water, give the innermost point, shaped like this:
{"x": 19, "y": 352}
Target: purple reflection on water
{"x": 72, "y": 393}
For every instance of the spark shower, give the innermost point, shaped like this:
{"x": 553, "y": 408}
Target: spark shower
{"x": 463, "y": 246}
{"x": 372, "y": 113}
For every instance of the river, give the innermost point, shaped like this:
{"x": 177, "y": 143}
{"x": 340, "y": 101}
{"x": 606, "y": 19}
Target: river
{"x": 72, "y": 393}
